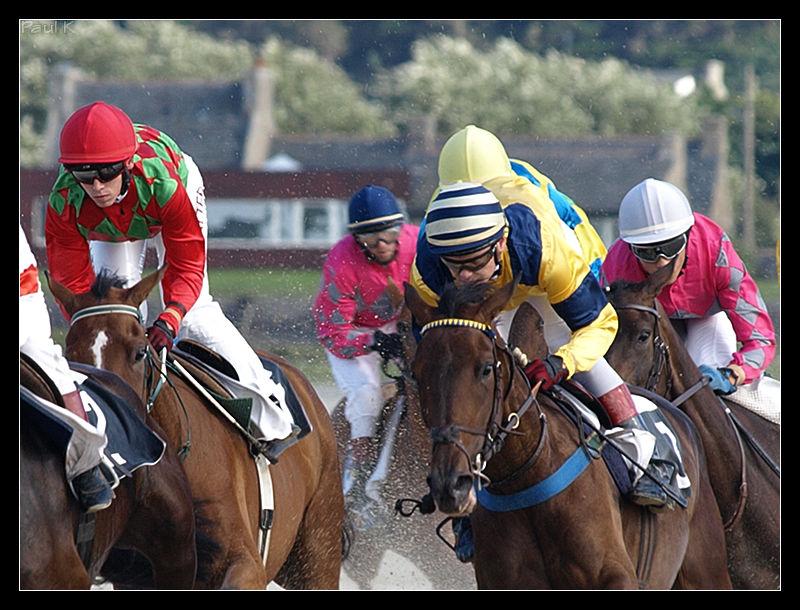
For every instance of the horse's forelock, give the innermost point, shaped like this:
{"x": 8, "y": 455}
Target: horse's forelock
{"x": 104, "y": 281}
{"x": 454, "y": 298}
{"x": 622, "y": 288}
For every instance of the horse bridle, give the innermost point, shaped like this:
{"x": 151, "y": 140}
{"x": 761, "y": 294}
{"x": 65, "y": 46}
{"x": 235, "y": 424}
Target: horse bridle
{"x": 153, "y": 367}
{"x": 660, "y": 350}
{"x": 98, "y": 310}
{"x": 495, "y": 433}
{"x": 120, "y": 308}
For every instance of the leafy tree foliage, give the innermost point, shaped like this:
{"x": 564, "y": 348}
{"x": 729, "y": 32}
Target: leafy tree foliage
{"x": 507, "y": 89}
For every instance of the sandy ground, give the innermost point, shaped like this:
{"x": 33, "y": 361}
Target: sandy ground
{"x": 395, "y": 572}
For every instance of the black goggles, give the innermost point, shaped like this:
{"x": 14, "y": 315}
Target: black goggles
{"x": 89, "y": 173}
{"x": 474, "y": 264}
{"x": 668, "y": 249}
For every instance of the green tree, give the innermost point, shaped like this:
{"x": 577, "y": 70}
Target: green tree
{"x": 315, "y": 96}
{"x": 507, "y": 89}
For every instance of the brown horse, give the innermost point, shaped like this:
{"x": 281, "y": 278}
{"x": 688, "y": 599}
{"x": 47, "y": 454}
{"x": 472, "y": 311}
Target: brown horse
{"x": 152, "y": 512}
{"x": 648, "y": 353}
{"x": 577, "y": 532}
{"x": 303, "y": 539}
{"x": 405, "y": 448}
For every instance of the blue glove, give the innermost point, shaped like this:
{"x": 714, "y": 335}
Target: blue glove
{"x": 719, "y": 379}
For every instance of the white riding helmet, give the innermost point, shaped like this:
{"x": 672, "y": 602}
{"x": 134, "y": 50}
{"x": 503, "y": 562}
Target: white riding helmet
{"x": 654, "y": 211}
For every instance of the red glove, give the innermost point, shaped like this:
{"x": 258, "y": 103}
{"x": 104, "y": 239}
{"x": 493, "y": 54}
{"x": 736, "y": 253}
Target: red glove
{"x": 161, "y": 335}
{"x": 549, "y": 371}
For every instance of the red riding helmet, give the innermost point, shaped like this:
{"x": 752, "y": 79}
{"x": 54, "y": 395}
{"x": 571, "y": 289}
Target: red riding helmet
{"x": 97, "y": 133}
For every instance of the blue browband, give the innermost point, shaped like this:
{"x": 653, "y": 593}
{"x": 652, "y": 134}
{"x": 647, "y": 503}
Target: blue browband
{"x": 459, "y": 322}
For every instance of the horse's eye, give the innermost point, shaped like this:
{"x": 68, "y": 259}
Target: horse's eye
{"x": 140, "y": 353}
{"x": 644, "y": 336}
{"x": 487, "y": 369}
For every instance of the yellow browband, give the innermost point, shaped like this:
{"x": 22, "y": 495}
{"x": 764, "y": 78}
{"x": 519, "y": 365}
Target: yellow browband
{"x": 458, "y": 322}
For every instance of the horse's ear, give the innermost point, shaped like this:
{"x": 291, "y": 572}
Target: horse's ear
{"x": 498, "y": 299}
{"x": 137, "y": 293}
{"x": 395, "y": 294}
{"x": 657, "y": 280}
{"x": 527, "y": 332}
{"x": 61, "y": 293}
{"x": 422, "y": 312}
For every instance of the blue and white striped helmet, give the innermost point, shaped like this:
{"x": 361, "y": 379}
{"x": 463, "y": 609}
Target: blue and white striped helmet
{"x": 464, "y": 217}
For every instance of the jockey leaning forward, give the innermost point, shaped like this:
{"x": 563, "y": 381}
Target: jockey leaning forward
{"x": 122, "y": 186}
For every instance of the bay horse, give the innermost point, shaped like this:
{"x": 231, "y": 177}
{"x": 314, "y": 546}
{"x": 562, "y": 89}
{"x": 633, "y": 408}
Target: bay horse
{"x": 490, "y": 430}
{"x": 648, "y": 352}
{"x": 404, "y": 453}
{"x": 303, "y": 533}
{"x": 152, "y": 511}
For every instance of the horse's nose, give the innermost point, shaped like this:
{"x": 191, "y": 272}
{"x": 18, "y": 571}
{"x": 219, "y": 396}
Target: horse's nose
{"x": 452, "y": 492}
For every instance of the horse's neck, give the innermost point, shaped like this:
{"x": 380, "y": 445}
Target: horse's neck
{"x": 682, "y": 369}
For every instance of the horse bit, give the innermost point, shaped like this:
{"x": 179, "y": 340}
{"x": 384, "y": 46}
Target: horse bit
{"x": 495, "y": 433}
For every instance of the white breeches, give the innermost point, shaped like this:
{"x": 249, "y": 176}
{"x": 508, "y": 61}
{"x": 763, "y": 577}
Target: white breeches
{"x": 360, "y": 379}
{"x": 710, "y": 340}
{"x": 205, "y": 322}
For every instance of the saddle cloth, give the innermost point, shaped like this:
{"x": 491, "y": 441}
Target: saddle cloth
{"x": 238, "y": 406}
{"x": 131, "y": 444}
{"x": 611, "y": 456}
{"x": 763, "y": 397}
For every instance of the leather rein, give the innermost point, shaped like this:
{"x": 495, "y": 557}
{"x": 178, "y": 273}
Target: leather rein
{"x": 661, "y": 361}
{"x": 155, "y": 367}
{"x": 495, "y": 433}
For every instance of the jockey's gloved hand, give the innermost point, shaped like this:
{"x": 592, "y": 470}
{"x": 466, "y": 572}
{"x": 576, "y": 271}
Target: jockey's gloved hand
{"x": 161, "y": 335}
{"x": 387, "y": 345}
{"x": 719, "y": 379}
{"x": 550, "y": 371}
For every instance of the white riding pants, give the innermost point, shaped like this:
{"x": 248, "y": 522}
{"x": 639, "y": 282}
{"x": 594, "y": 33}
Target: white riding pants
{"x": 360, "y": 379}
{"x": 205, "y": 322}
{"x": 710, "y": 340}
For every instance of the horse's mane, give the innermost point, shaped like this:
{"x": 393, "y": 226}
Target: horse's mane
{"x": 453, "y": 297}
{"x": 104, "y": 281}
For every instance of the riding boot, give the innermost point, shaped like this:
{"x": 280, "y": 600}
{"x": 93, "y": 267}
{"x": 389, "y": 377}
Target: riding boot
{"x": 464, "y": 545}
{"x": 273, "y": 448}
{"x": 648, "y": 488}
{"x": 92, "y": 490}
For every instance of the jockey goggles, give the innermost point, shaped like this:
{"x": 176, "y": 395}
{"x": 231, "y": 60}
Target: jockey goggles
{"x": 474, "y": 264}
{"x": 87, "y": 174}
{"x": 668, "y": 249}
{"x": 373, "y": 239}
